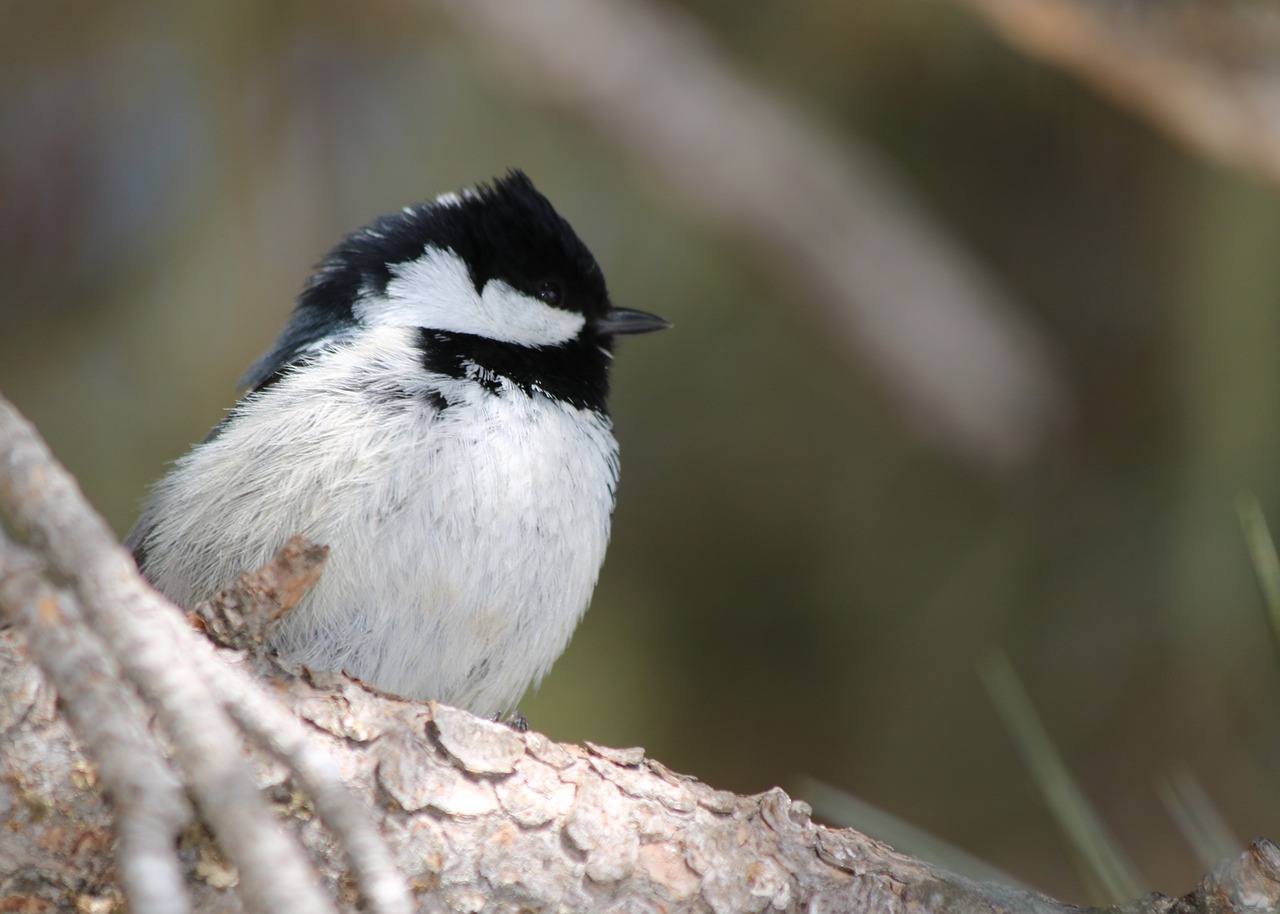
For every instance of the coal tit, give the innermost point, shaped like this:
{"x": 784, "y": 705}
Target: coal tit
{"x": 434, "y": 411}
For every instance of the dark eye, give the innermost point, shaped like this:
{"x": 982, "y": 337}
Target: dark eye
{"x": 550, "y": 291}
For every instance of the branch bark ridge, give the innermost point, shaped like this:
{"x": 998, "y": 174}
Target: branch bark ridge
{"x": 477, "y": 816}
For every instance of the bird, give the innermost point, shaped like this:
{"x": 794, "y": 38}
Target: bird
{"x": 435, "y": 411}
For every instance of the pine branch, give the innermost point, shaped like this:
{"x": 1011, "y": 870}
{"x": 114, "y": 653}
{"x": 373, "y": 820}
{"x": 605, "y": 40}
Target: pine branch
{"x": 380, "y": 792}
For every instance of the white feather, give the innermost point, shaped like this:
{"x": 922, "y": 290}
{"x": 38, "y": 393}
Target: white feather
{"x": 436, "y": 291}
{"x": 465, "y": 541}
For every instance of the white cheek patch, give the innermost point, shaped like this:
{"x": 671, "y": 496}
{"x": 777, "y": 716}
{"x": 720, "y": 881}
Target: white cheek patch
{"x": 435, "y": 292}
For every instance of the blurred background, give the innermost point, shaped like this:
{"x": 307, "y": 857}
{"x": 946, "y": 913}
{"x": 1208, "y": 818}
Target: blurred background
{"x": 971, "y": 351}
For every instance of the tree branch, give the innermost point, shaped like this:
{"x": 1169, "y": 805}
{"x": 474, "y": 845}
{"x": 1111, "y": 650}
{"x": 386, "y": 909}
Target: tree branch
{"x": 487, "y": 819}
{"x": 147, "y": 637}
{"x": 481, "y": 818}
{"x": 111, "y": 721}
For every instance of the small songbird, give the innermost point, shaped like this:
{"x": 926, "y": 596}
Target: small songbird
{"x": 434, "y": 411}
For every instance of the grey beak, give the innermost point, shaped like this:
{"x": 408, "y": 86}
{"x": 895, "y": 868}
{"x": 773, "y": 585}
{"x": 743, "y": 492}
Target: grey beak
{"x": 625, "y": 321}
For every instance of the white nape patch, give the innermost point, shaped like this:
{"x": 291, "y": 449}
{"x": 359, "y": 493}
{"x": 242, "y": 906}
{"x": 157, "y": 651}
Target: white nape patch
{"x": 435, "y": 292}
{"x": 456, "y": 198}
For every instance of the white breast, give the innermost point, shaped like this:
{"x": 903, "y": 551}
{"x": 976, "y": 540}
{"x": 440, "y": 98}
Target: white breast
{"x": 465, "y": 541}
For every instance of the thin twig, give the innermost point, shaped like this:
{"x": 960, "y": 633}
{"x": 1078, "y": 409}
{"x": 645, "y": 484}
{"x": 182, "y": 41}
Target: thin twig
{"x": 146, "y": 796}
{"x": 350, "y": 819}
{"x": 147, "y": 634}
{"x": 240, "y": 617}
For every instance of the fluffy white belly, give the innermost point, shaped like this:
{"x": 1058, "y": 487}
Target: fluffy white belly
{"x": 465, "y": 541}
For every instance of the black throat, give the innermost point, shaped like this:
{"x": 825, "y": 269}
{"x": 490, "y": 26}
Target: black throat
{"x": 576, "y": 372}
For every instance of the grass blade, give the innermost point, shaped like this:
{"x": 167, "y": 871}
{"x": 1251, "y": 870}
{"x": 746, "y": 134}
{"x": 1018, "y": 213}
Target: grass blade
{"x": 1262, "y": 550}
{"x": 1100, "y": 853}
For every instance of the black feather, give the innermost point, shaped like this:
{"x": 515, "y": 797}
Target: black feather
{"x": 507, "y": 231}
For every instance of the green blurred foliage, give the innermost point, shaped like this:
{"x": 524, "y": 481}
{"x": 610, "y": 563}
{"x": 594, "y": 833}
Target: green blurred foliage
{"x": 796, "y": 584}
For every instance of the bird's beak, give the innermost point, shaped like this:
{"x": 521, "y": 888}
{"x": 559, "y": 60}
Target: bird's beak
{"x": 626, "y": 321}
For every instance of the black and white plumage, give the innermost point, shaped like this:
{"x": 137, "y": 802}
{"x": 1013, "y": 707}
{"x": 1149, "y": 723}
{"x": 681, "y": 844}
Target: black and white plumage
{"x": 434, "y": 411}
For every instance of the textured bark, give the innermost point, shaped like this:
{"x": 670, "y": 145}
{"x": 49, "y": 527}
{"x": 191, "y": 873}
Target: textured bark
{"x": 474, "y": 815}
{"x": 197, "y": 700}
{"x": 482, "y": 818}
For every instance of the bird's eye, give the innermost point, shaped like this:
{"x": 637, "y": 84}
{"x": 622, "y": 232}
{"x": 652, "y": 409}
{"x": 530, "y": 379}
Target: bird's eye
{"x": 550, "y": 291}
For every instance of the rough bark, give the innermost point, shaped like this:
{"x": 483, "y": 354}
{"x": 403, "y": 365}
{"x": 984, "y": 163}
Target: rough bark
{"x": 482, "y": 818}
{"x": 372, "y": 792}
